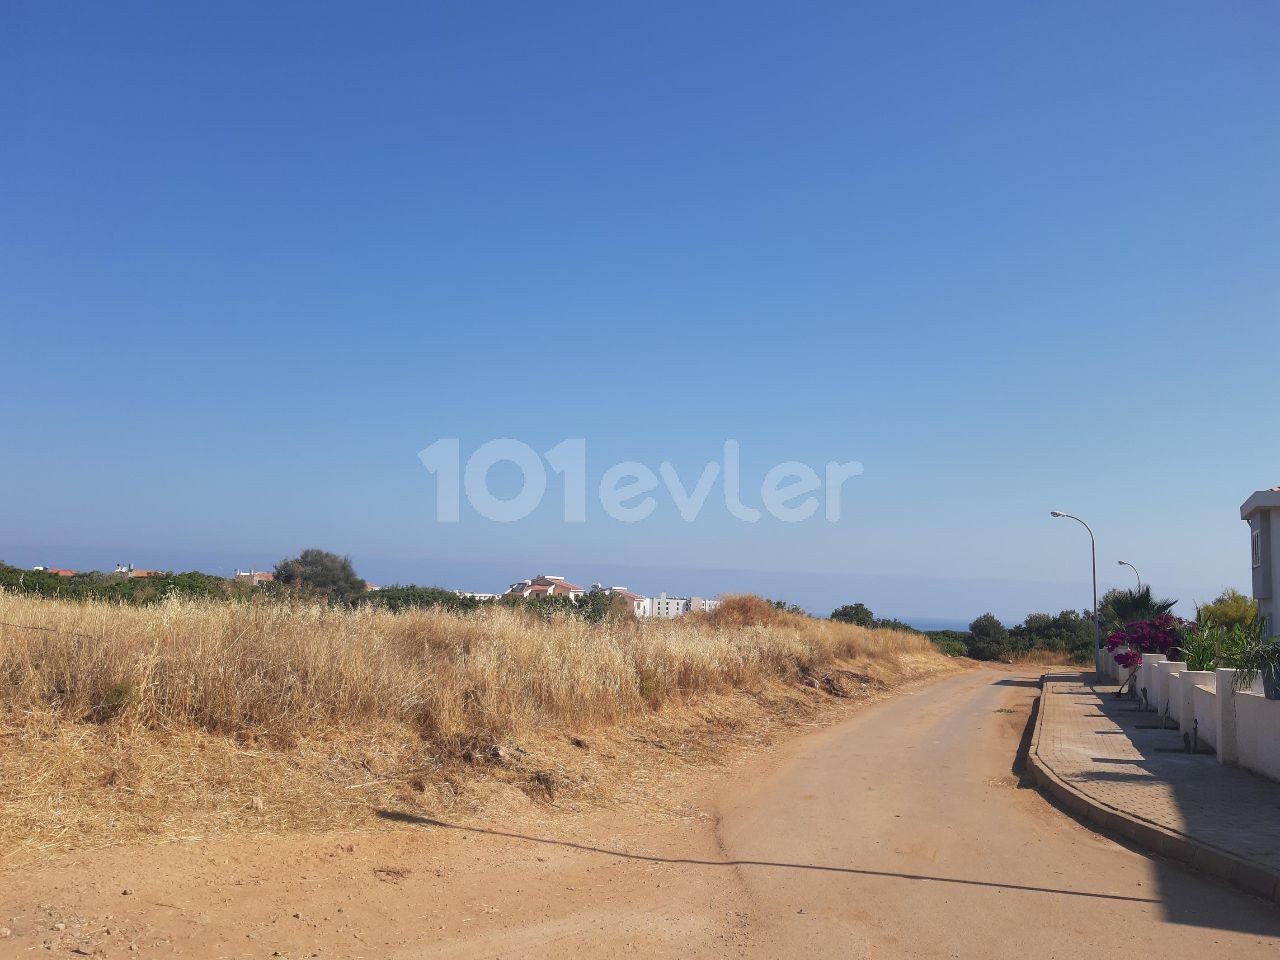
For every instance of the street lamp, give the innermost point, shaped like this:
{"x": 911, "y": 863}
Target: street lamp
{"x": 1093, "y": 550}
{"x": 1126, "y": 563}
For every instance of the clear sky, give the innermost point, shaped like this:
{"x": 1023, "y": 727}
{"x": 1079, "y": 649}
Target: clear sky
{"x": 1009, "y": 256}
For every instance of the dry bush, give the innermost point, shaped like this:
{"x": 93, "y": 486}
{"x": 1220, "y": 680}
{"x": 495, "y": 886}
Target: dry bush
{"x": 270, "y": 669}
{"x": 1050, "y": 658}
{"x": 117, "y": 720}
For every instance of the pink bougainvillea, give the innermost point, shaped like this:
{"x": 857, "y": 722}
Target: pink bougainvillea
{"x": 1158, "y": 635}
{"x": 1129, "y": 658}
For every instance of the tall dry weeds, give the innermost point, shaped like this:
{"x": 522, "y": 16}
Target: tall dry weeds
{"x": 248, "y": 669}
{"x": 190, "y": 718}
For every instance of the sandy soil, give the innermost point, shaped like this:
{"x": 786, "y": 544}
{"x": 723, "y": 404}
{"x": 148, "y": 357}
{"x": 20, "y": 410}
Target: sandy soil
{"x": 899, "y": 831}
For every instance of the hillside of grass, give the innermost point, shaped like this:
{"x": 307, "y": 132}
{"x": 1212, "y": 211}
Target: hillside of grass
{"x": 189, "y": 716}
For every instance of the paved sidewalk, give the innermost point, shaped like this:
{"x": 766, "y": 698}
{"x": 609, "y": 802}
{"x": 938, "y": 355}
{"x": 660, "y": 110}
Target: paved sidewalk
{"x": 1111, "y": 764}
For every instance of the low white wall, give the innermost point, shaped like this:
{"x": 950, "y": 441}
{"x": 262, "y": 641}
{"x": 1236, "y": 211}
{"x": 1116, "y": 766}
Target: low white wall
{"x": 1187, "y": 683}
{"x": 1167, "y": 687}
{"x": 1147, "y": 678}
{"x": 1248, "y": 728}
{"x": 1205, "y": 702}
{"x": 1258, "y": 733}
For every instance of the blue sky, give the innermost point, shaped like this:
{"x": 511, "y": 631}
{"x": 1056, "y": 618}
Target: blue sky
{"x": 1011, "y": 257}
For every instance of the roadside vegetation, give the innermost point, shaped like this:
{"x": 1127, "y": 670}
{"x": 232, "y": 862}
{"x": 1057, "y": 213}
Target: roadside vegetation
{"x": 1066, "y": 637}
{"x": 1130, "y": 621}
{"x": 1227, "y": 632}
{"x": 189, "y": 714}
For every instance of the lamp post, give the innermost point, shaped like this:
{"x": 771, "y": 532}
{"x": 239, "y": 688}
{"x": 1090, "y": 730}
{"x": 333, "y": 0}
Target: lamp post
{"x": 1126, "y": 563}
{"x": 1093, "y": 551}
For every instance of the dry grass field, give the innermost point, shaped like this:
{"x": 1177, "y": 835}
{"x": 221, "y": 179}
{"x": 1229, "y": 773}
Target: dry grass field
{"x": 188, "y": 718}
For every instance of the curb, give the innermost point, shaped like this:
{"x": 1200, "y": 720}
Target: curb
{"x": 1205, "y": 857}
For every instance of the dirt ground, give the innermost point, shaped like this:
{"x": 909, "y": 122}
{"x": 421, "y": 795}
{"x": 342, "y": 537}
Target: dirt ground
{"x": 519, "y": 853}
{"x": 901, "y": 830}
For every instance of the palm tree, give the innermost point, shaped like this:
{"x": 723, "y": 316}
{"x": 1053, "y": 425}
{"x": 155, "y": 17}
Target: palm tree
{"x": 1119, "y": 608}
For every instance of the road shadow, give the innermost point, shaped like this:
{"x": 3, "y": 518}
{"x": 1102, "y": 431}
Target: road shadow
{"x": 400, "y": 816}
{"x": 1019, "y": 768}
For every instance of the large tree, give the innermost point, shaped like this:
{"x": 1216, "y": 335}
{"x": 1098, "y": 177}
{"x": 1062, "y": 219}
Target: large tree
{"x": 1070, "y": 633}
{"x": 856, "y": 613}
{"x": 1232, "y": 608}
{"x": 322, "y": 574}
{"x": 988, "y": 638}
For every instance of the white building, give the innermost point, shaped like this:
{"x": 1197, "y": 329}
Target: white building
{"x": 668, "y": 608}
{"x": 671, "y": 607}
{"x": 545, "y": 585}
{"x": 1262, "y": 512}
{"x": 702, "y": 605}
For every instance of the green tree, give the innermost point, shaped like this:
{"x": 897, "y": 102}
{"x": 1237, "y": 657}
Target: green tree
{"x": 397, "y": 598}
{"x": 1119, "y": 608}
{"x": 1069, "y": 633}
{"x": 988, "y": 638}
{"x": 889, "y": 623}
{"x": 855, "y": 613}
{"x": 789, "y": 607}
{"x": 1232, "y": 608}
{"x": 320, "y": 573}
{"x": 598, "y": 605}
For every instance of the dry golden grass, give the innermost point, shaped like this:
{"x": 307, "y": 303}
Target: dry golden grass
{"x": 1050, "y": 658}
{"x": 189, "y": 717}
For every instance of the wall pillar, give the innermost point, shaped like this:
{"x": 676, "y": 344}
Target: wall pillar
{"x": 1166, "y": 686}
{"x": 1228, "y": 752}
{"x": 1188, "y": 680}
{"x": 1146, "y": 677}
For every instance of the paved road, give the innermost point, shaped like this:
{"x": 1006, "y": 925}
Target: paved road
{"x": 904, "y": 833}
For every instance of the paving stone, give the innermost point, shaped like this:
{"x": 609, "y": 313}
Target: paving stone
{"x": 1091, "y": 740}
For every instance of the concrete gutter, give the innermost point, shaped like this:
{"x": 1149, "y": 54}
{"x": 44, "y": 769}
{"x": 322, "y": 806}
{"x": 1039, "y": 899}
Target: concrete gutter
{"x": 1251, "y": 877}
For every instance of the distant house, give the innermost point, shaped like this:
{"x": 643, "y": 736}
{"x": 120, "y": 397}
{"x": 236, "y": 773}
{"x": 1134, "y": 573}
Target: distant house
{"x": 469, "y": 595}
{"x": 639, "y": 604}
{"x": 255, "y": 577}
{"x": 1262, "y": 512}
{"x": 56, "y": 571}
{"x": 545, "y": 585}
{"x": 128, "y": 570}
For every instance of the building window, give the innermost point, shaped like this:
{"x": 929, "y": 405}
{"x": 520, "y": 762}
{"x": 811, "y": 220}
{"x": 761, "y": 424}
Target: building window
{"x": 1257, "y": 548}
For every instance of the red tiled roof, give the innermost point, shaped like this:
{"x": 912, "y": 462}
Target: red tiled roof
{"x": 543, "y": 586}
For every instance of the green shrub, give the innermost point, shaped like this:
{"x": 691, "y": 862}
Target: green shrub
{"x": 1231, "y": 608}
{"x": 950, "y": 646}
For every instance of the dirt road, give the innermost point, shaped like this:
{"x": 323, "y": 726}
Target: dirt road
{"x": 900, "y": 832}
{"x": 926, "y": 847}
